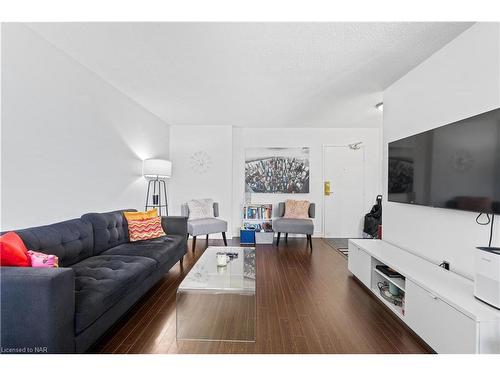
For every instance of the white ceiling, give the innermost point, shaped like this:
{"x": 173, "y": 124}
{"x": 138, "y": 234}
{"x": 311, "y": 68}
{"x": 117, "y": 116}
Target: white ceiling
{"x": 253, "y": 74}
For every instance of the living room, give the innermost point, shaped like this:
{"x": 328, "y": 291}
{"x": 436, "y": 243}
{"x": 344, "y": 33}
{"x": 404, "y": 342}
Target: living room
{"x": 218, "y": 187}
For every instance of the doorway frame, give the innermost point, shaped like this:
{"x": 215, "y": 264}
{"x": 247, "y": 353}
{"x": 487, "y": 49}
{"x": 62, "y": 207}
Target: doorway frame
{"x": 323, "y": 147}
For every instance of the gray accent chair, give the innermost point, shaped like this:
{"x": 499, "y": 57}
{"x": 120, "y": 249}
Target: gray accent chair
{"x": 296, "y": 226}
{"x": 202, "y": 227}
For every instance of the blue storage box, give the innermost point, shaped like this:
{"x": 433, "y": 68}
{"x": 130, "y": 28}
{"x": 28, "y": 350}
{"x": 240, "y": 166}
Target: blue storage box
{"x": 247, "y": 236}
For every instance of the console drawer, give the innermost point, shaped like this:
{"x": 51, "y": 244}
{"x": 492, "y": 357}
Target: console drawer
{"x": 440, "y": 325}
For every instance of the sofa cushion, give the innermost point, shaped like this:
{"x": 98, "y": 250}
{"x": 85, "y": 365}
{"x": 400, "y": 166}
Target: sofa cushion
{"x": 160, "y": 249}
{"x": 298, "y": 226}
{"x": 71, "y": 241}
{"x": 110, "y": 229}
{"x": 101, "y": 281}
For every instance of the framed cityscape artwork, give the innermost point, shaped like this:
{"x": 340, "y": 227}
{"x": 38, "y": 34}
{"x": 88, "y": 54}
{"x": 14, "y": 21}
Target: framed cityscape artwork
{"x": 277, "y": 170}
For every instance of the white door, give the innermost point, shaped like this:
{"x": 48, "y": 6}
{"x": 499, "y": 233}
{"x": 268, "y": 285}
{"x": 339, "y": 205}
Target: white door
{"x": 344, "y": 208}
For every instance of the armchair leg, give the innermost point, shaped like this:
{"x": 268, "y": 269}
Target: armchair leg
{"x": 194, "y": 243}
{"x": 224, "y": 238}
{"x": 309, "y": 239}
{"x": 207, "y": 240}
{"x": 278, "y": 239}
{"x": 286, "y": 237}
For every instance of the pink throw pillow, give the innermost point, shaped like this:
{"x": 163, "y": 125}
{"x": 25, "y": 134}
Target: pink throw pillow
{"x": 42, "y": 260}
{"x": 296, "y": 209}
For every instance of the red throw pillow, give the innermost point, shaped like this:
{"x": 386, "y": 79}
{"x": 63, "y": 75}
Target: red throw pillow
{"x": 13, "y": 252}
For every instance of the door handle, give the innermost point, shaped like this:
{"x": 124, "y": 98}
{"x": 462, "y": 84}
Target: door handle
{"x": 326, "y": 188}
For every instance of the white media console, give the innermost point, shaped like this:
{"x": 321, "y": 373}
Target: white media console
{"x": 439, "y": 305}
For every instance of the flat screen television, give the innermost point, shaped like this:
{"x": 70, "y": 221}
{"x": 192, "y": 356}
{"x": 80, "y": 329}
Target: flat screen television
{"x": 454, "y": 166}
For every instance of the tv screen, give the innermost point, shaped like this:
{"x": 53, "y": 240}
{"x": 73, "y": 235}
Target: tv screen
{"x": 454, "y": 166}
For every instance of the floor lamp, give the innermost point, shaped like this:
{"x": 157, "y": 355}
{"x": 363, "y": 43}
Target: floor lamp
{"x": 156, "y": 171}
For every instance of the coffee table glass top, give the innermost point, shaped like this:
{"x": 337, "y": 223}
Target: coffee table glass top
{"x": 238, "y": 275}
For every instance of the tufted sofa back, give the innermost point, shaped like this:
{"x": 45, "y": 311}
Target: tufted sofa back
{"x": 110, "y": 229}
{"x": 71, "y": 241}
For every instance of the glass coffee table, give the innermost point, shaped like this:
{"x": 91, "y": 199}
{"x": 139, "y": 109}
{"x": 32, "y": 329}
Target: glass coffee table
{"x": 218, "y": 303}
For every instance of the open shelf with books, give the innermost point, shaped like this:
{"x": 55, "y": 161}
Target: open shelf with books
{"x": 263, "y": 212}
{"x": 258, "y": 219}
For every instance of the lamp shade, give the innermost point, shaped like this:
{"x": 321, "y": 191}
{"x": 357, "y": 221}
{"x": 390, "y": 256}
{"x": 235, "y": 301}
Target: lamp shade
{"x": 157, "y": 168}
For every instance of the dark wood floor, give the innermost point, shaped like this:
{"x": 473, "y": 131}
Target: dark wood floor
{"x": 306, "y": 303}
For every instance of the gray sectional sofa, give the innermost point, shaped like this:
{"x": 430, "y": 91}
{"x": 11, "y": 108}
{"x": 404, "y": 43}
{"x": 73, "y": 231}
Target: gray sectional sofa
{"x": 101, "y": 275}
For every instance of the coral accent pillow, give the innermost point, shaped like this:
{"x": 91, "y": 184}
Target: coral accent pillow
{"x": 131, "y": 215}
{"x": 146, "y": 229}
{"x": 296, "y": 209}
{"x": 201, "y": 208}
{"x": 13, "y": 251}
{"x": 41, "y": 260}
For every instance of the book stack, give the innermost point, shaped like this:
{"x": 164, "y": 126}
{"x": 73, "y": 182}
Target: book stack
{"x": 255, "y": 212}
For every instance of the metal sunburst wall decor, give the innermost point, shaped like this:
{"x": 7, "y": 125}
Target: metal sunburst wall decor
{"x": 200, "y": 162}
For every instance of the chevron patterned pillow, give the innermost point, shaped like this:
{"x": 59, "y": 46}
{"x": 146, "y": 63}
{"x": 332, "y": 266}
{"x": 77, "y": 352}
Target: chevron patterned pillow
{"x": 146, "y": 229}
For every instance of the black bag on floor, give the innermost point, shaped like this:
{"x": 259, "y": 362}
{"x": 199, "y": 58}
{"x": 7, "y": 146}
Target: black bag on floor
{"x": 373, "y": 218}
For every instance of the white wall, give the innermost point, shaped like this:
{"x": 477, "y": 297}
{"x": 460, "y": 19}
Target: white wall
{"x": 225, "y": 179}
{"x": 459, "y": 81}
{"x": 189, "y": 183}
{"x": 71, "y": 143}
{"x": 314, "y": 138}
